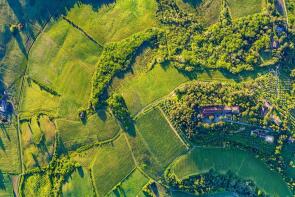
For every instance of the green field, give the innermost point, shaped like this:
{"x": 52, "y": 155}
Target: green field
{"x": 153, "y": 152}
{"x": 244, "y": 164}
{"x": 99, "y": 127}
{"x": 141, "y": 89}
{"x": 6, "y": 188}
{"x": 209, "y": 11}
{"x": 240, "y": 8}
{"x": 36, "y": 184}
{"x": 114, "y": 22}
{"x": 289, "y": 157}
{"x": 119, "y": 162}
{"x": 63, "y": 59}
{"x": 131, "y": 186}
{"x": 78, "y": 184}
{"x": 37, "y": 137}
{"x": 9, "y": 152}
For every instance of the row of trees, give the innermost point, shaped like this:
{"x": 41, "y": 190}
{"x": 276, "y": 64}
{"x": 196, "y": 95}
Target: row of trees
{"x": 117, "y": 58}
{"x": 119, "y": 108}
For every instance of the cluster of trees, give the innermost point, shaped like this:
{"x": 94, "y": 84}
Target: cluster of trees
{"x": 234, "y": 46}
{"x": 213, "y": 181}
{"x": 117, "y": 58}
{"x": 184, "y": 110}
{"x": 291, "y": 13}
{"x": 119, "y": 108}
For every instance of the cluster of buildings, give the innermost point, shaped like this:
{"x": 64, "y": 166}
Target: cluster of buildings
{"x": 218, "y": 111}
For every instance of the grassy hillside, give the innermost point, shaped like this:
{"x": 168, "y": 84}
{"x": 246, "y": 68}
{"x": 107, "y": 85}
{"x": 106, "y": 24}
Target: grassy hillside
{"x": 9, "y": 152}
{"x": 115, "y": 21}
{"x": 154, "y": 153}
{"x": 99, "y": 127}
{"x": 120, "y": 164}
{"x": 244, "y": 164}
{"x": 240, "y": 8}
{"x": 78, "y": 184}
{"x": 131, "y": 186}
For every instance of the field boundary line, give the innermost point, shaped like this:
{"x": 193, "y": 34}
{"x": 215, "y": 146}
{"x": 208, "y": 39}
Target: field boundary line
{"x": 121, "y": 181}
{"x": 130, "y": 149}
{"x": 173, "y": 129}
{"x": 148, "y": 148}
{"x": 20, "y": 145}
{"x": 82, "y": 31}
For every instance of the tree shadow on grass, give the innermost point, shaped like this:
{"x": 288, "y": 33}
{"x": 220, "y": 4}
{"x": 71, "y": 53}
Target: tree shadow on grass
{"x": 4, "y": 131}
{"x": 20, "y": 43}
{"x": 2, "y": 181}
{"x": 81, "y": 172}
{"x": 2, "y": 146}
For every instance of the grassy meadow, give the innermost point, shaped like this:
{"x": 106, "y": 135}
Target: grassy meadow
{"x": 38, "y": 136}
{"x": 115, "y": 21}
{"x": 131, "y": 186}
{"x": 155, "y": 144}
{"x": 141, "y": 89}
{"x": 119, "y": 162}
{"x": 244, "y": 164}
{"x": 9, "y": 152}
{"x": 99, "y": 127}
{"x": 63, "y": 59}
{"x": 36, "y": 184}
{"x": 240, "y": 8}
{"x": 6, "y": 188}
{"x": 78, "y": 184}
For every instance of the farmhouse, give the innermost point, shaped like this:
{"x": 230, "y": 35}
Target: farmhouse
{"x": 219, "y": 110}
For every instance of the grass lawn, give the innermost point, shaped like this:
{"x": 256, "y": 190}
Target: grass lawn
{"x": 6, "y": 188}
{"x": 37, "y": 141}
{"x": 64, "y": 59}
{"x": 9, "y": 153}
{"x": 45, "y": 101}
{"x": 288, "y": 153}
{"x": 78, "y": 184}
{"x": 240, "y": 8}
{"x": 36, "y": 184}
{"x": 111, "y": 164}
{"x": 99, "y": 127}
{"x": 114, "y": 22}
{"x": 244, "y": 164}
{"x": 131, "y": 186}
{"x": 209, "y": 11}
{"x": 142, "y": 88}
{"x": 155, "y": 144}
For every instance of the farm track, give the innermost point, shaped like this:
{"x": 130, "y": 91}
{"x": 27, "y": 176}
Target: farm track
{"x": 173, "y": 129}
